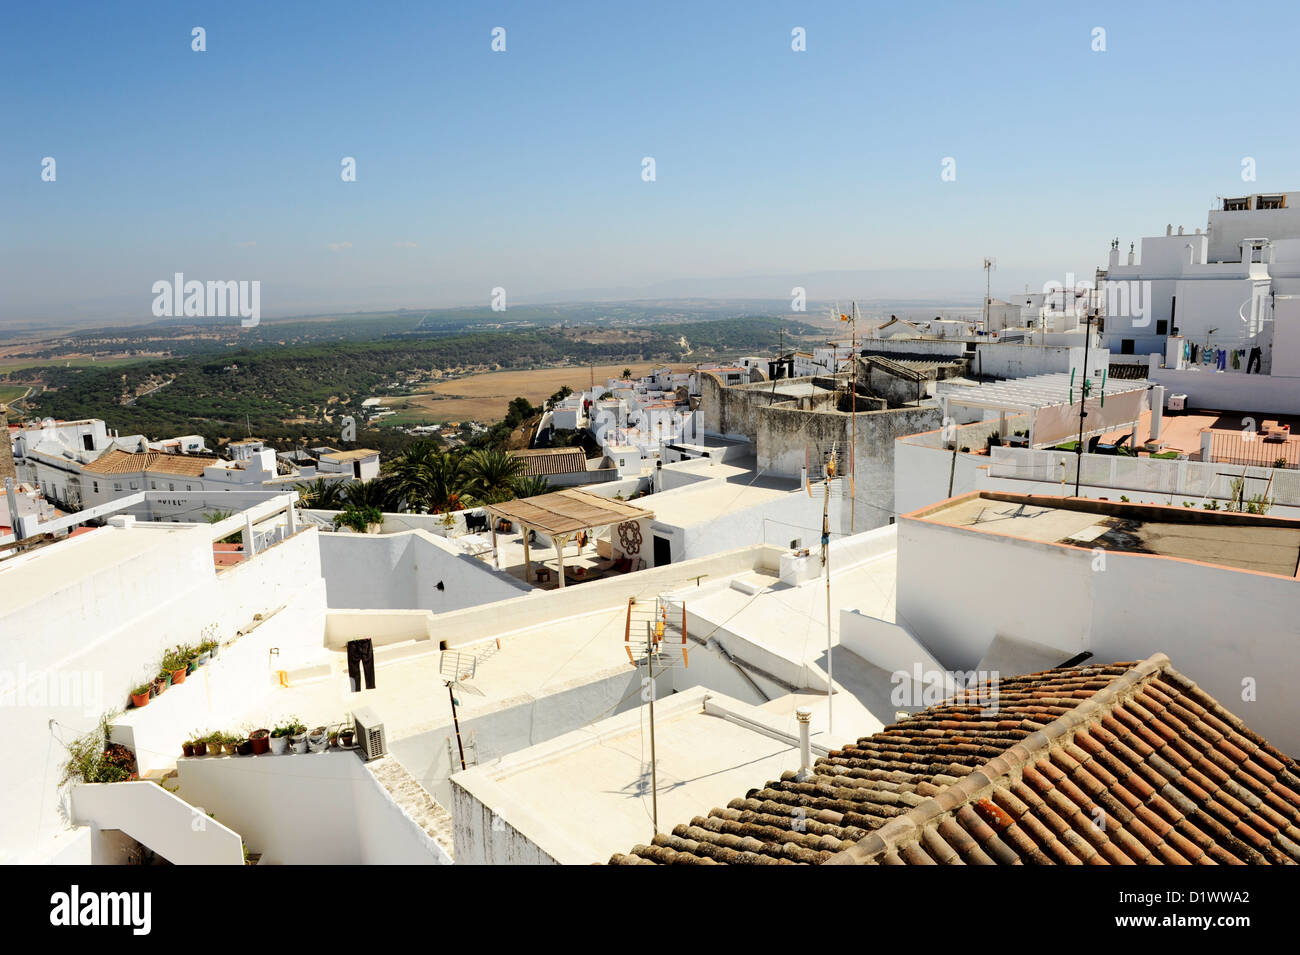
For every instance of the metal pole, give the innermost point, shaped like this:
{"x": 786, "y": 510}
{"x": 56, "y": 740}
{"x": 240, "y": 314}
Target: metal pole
{"x": 826, "y": 565}
{"x": 1083, "y": 402}
{"x": 456, "y": 720}
{"x": 654, "y": 777}
{"x": 853, "y": 441}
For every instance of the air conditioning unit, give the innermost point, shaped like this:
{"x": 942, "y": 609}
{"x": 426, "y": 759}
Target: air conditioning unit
{"x": 371, "y": 742}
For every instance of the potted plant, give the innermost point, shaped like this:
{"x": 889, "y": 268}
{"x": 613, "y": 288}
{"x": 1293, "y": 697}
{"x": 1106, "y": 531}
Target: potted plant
{"x": 200, "y": 742}
{"x": 216, "y": 739}
{"x": 244, "y": 747}
{"x": 345, "y": 737}
{"x": 140, "y": 695}
{"x": 187, "y": 747}
{"x": 280, "y": 739}
{"x": 334, "y": 739}
{"x": 261, "y": 740}
{"x": 298, "y": 737}
{"x": 176, "y": 662}
{"x": 230, "y": 743}
{"x": 318, "y": 740}
{"x": 161, "y": 682}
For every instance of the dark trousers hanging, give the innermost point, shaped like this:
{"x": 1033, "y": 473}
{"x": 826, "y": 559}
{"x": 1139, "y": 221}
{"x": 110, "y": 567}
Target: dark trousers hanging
{"x": 1254, "y": 361}
{"x": 361, "y": 652}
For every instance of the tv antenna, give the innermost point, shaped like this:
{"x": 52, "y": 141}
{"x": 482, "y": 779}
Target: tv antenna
{"x": 457, "y": 668}
{"x": 650, "y": 638}
{"x": 826, "y": 566}
{"x": 989, "y": 265}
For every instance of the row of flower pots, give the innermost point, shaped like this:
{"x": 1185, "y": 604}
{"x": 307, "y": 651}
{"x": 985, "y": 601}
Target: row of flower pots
{"x": 289, "y": 737}
{"x": 177, "y": 663}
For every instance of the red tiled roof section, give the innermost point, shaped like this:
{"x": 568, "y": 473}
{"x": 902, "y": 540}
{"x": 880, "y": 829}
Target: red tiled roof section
{"x": 1119, "y": 764}
{"x": 856, "y": 790}
{"x": 128, "y": 462}
{"x": 539, "y": 462}
{"x": 1149, "y": 770}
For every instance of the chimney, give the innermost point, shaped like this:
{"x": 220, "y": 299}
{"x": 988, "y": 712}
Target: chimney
{"x": 1130, "y": 249}
{"x": 804, "y": 716}
{"x": 1169, "y": 229}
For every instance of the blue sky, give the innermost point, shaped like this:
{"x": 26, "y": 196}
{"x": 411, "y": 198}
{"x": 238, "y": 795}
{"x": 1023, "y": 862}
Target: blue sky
{"x": 522, "y": 169}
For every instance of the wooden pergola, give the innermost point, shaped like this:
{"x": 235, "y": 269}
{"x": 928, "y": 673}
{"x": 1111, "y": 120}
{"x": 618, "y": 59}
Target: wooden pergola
{"x": 561, "y": 515}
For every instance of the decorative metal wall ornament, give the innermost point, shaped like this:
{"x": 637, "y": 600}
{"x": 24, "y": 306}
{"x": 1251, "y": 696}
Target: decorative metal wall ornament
{"x": 629, "y": 535}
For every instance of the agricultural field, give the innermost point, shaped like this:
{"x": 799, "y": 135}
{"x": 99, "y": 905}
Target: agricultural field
{"x": 484, "y": 397}
{"x": 9, "y": 393}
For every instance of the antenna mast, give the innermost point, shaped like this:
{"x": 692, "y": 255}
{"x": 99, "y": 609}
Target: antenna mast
{"x": 826, "y": 565}
{"x": 989, "y": 265}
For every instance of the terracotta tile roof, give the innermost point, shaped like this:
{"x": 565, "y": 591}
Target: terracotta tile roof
{"x": 1097, "y": 765}
{"x": 131, "y": 462}
{"x": 543, "y": 461}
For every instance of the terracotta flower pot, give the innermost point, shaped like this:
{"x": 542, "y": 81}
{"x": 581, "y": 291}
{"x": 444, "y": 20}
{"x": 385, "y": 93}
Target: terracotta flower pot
{"x": 261, "y": 740}
{"x": 201, "y": 748}
{"x": 345, "y": 737}
{"x": 178, "y": 676}
{"x": 140, "y": 699}
{"x": 187, "y": 749}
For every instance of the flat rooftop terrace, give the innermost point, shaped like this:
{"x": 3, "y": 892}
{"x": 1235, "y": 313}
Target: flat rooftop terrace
{"x": 703, "y": 759}
{"x": 28, "y": 577}
{"x": 1242, "y": 541}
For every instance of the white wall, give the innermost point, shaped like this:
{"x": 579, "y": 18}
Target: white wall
{"x": 402, "y": 571}
{"x": 110, "y": 628}
{"x": 308, "y": 809}
{"x": 1231, "y": 392}
{"x": 149, "y": 814}
{"x": 959, "y": 588}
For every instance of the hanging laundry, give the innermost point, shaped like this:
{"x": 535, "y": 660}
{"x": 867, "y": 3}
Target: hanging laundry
{"x": 1236, "y": 359}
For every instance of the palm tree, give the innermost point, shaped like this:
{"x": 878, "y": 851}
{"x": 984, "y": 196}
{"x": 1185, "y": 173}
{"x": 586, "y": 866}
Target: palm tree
{"x": 430, "y": 480}
{"x": 320, "y": 495}
{"x": 379, "y": 493}
{"x": 492, "y": 474}
{"x": 530, "y": 485}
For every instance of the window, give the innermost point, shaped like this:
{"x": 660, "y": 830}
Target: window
{"x": 171, "y": 487}
{"x": 1126, "y": 346}
{"x": 1236, "y": 205}
{"x": 117, "y": 486}
{"x": 1270, "y": 202}
{"x": 96, "y": 484}
{"x": 134, "y": 486}
{"x": 153, "y": 485}
{"x": 188, "y": 488}
{"x": 1162, "y": 326}
{"x": 88, "y": 442}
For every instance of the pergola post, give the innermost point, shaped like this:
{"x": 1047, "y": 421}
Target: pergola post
{"x": 528, "y": 563}
{"x": 561, "y": 541}
{"x": 496, "y": 557}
